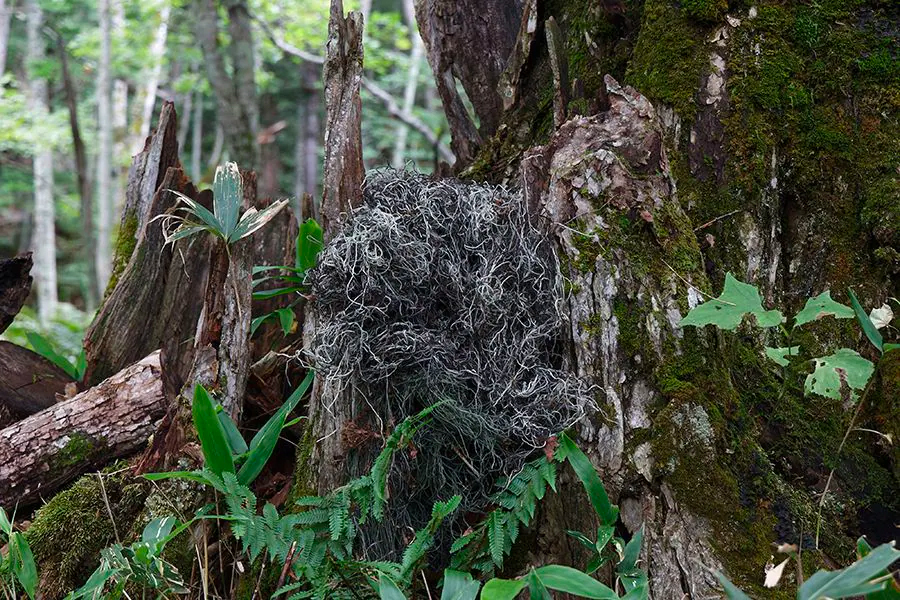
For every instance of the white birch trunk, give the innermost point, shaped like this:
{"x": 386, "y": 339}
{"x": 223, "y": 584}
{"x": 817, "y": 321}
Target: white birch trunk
{"x": 120, "y": 154}
{"x": 147, "y": 94}
{"x": 5, "y": 14}
{"x": 44, "y": 239}
{"x": 104, "y": 149}
{"x": 412, "y": 80}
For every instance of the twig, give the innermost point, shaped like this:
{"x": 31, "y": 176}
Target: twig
{"x": 840, "y": 447}
{"x": 108, "y": 507}
{"x": 427, "y": 590}
{"x": 719, "y": 218}
{"x": 691, "y": 285}
{"x": 287, "y": 566}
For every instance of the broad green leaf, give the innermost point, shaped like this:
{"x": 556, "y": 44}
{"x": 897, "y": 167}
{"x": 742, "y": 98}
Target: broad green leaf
{"x": 726, "y": 312}
{"x": 536, "y": 588}
{"x": 235, "y": 439}
{"x": 309, "y": 244}
{"x": 216, "y": 452}
{"x": 582, "y": 539}
{"x": 732, "y": 592}
{"x": 255, "y": 323}
{"x": 263, "y": 443}
{"x": 388, "y": 590}
{"x": 228, "y": 193}
{"x": 43, "y": 347}
{"x": 779, "y": 354}
{"x": 573, "y": 581}
{"x": 187, "y": 230}
{"x": 632, "y": 552}
{"x": 889, "y": 347}
{"x": 286, "y": 318}
{"x": 5, "y": 524}
{"x": 861, "y": 578}
{"x": 81, "y": 365}
{"x": 825, "y": 381}
{"x": 157, "y": 529}
{"x": 266, "y": 294}
{"x": 502, "y": 589}
{"x": 22, "y": 561}
{"x": 591, "y": 481}
{"x": 866, "y": 323}
{"x": 459, "y": 586}
{"x": 253, "y": 220}
{"x": 892, "y": 590}
{"x": 822, "y": 306}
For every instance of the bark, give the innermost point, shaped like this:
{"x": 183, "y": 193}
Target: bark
{"x": 344, "y": 170}
{"x": 29, "y": 382}
{"x": 44, "y": 238}
{"x": 15, "y": 285}
{"x": 474, "y": 50}
{"x": 5, "y": 15}
{"x": 81, "y": 172}
{"x": 104, "y": 150}
{"x": 238, "y": 112}
{"x": 45, "y": 451}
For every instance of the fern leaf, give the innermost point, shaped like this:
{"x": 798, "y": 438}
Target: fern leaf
{"x": 496, "y": 537}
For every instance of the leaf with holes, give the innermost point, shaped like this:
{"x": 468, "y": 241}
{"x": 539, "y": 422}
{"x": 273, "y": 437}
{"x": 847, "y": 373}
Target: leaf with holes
{"x": 822, "y": 306}
{"x": 825, "y": 380}
{"x": 728, "y": 310}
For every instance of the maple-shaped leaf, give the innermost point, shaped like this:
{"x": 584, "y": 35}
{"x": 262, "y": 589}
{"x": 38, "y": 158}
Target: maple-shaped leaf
{"x": 729, "y": 309}
{"x": 825, "y": 380}
{"x": 822, "y": 306}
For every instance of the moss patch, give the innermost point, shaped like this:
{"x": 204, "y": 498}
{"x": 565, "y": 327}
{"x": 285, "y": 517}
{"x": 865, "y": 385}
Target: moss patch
{"x": 68, "y": 532}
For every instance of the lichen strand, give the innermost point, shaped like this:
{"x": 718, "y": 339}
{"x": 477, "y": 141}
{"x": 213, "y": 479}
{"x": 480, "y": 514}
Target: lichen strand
{"x": 69, "y": 532}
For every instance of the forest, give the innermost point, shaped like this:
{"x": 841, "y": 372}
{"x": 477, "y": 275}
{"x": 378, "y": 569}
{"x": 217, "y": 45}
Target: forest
{"x": 449, "y": 299}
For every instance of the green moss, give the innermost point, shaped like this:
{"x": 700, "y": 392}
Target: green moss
{"x": 126, "y": 240}
{"x": 69, "y": 531}
{"x": 77, "y": 449}
{"x": 670, "y": 55}
{"x": 704, "y": 10}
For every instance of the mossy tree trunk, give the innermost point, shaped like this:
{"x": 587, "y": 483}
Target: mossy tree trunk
{"x": 767, "y": 149}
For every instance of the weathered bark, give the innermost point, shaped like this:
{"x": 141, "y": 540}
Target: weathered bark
{"x": 15, "y": 285}
{"x": 44, "y": 238}
{"x": 113, "y": 419}
{"x": 344, "y": 170}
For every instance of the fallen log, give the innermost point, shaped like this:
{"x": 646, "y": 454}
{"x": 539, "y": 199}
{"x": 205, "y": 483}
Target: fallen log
{"x": 40, "y": 454}
{"x": 15, "y": 285}
{"x": 28, "y": 382}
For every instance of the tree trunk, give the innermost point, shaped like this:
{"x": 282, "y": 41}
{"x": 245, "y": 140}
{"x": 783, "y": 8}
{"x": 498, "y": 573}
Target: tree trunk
{"x": 44, "y": 237}
{"x": 412, "y": 81}
{"x": 197, "y": 138}
{"x": 145, "y": 102}
{"x": 84, "y": 182}
{"x": 15, "y": 285}
{"x": 5, "y": 15}
{"x": 238, "y": 112}
{"x": 306, "y": 149}
{"x": 104, "y": 150}
{"x": 45, "y": 451}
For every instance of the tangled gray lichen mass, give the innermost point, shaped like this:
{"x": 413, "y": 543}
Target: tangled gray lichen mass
{"x": 443, "y": 291}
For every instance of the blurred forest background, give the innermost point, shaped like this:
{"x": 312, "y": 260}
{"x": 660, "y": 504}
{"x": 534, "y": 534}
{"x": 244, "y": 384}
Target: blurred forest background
{"x": 81, "y": 85}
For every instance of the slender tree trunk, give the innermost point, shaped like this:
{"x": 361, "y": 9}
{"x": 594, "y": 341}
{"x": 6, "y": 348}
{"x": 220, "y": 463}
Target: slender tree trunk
{"x": 306, "y": 153}
{"x": 197, "y": 137}
{"x": 412, "y": 80}
{"x": 146, "y": 98}
{"x": 237, "y": 109}
{"x": 104, "y": 149}
{"x": 44, "y": 239}
{"x": 121, "y": 152}
{"x": 6, "y": 7}
{"x": 84, "y": 182}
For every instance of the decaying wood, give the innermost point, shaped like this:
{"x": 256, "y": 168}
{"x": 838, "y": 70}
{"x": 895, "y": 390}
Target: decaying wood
{"x": 113, "y": 419}
{"x": 344, "y": 170}
{"x": 559, "y": 63}
{"x": 155, "y": 298}
{"x": 15, "y": 285}
{"x": 28, "y": 382}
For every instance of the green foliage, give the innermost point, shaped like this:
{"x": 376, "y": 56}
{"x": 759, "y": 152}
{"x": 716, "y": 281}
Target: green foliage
{"x": 17, "y": 567}
{"x": 42, "y": 346}
{"x": 728, "y": 310}
{"x": 866, "y": 323}
{"x": 140, "y": 564}
{"x": 844, "y": 365}
{"x": 780, "y": 355}
{"x": 223, "y": 222}
{"x": 822, "y": 306}
{"x": 61, "y": 337}
{"x": 216, "y": 450}
{"x": 292, "y": 279}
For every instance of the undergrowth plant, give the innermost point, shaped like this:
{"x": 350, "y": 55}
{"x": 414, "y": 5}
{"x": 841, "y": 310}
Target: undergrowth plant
{"x": 292, "y": 280}
{"x": 17, "y": 568}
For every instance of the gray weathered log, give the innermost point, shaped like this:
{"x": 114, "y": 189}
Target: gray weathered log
{"x": 40, "y": 454}
{"x": 15, "y": 285}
